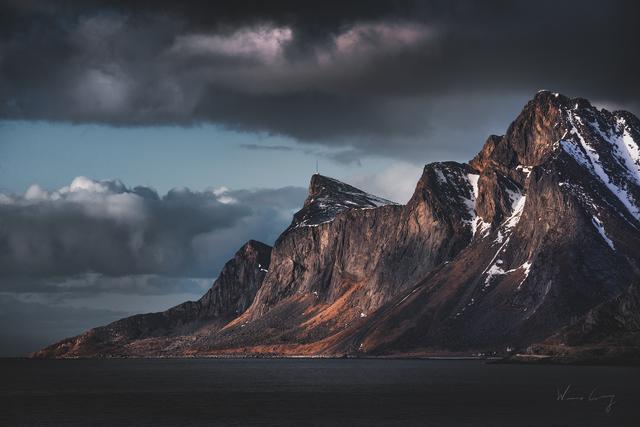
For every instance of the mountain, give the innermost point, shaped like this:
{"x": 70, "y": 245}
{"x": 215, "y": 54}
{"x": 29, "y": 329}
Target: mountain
{"x": 504, "y": 254}
{"x": 557, "y": 234}
{"x": 160, "y": 333}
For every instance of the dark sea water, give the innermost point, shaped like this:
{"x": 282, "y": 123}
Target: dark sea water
{"x": 300, "y": 392}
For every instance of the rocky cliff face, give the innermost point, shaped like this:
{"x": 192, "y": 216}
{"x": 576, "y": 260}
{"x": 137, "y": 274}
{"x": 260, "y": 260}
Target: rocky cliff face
{"x": 559, "y": 236}
{"x": 541, "y": 227}
{"x": 328, "y": 278}
{"x": 230, "y": 295}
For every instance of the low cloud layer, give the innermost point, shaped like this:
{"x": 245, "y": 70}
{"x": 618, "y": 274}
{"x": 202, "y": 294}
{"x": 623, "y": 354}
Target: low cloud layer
{"x": 108, "y": 229}
{"x": 370, "y": 76}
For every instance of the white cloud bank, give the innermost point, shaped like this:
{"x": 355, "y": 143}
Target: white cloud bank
{"x": 107, "y": 228}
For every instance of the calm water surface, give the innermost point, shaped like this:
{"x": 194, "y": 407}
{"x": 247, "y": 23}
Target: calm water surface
{"x": 299, "y": 392}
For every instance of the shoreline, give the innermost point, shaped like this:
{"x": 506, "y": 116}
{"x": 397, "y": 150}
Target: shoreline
{"x": 496, "y": 360}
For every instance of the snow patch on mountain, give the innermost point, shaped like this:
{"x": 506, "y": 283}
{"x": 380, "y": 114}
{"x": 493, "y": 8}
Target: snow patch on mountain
{"x": 525, "y": 169}
{"x": 473, "y": 180}
{"x": 440, "y": 175}
{"x": 526, "y": 267}
{"x": 586, "y": 155}
{"x": 476, "y": 222}
{"x": 497, "y": 270}
{"x": 600, "y": 228}
{"x": 517, "y": 206}
{"x": 625, "y": 148}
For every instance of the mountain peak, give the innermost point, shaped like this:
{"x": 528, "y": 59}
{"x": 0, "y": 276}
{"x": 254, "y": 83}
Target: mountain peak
{"x": 257, "y": 249}
{"x": 321, "y": 185}
{"x": 328, "y": 197}
{"x": 534, "y": 135}
{"x": 559, "y": 101}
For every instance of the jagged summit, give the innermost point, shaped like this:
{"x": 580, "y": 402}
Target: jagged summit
{"x": 555, "y": 129}
{"x": 328, "y": 197}
{"x": 259, "y": 248}
{"x": 589, "y": 155}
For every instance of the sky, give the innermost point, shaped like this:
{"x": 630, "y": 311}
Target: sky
{"x": 142, "y": 143}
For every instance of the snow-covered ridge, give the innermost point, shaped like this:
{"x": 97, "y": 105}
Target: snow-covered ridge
{"x": 587, "y": 143}
{"x": 328, "y": 197}
{"x": 361, "y": 198}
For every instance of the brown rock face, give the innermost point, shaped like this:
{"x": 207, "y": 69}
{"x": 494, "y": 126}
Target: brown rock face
{"x": 239, "y": 281}
{"x": 329, "y": 277}
{"x": 540, "y": 228}
{"x": 530, "y": 138}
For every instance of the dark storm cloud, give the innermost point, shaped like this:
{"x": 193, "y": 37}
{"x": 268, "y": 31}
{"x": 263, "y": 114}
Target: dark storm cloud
{"x": 371, "y": 75}
{"x": 106, "y": 229}
{"x": 344, "y": 156}
{"x": 266, "y": 147}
